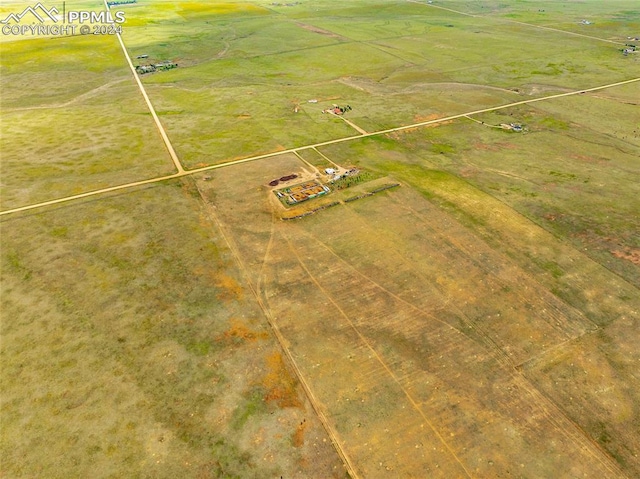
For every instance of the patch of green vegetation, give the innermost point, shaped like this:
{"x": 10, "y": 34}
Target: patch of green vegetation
{"x": 352, "y": 180}
{"x": 554, "y": 123}
{"x": 253, "y": 404}
{"x": 564, "y": 176}
{"x": 200, "y": 348}
{"x": 442, "y": 148}
{"x": 13, "y": 262}
{"x": 100, "y": 327}
{"x": 553, "y": 268}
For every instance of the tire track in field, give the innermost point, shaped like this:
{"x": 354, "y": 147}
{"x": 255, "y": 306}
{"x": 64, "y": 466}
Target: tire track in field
{"x": 313, "y": 400}
{"x": 551, "y": 411}
{"x": 549, "y": 408}
{"x": 82, "y": 96}
{"x": 375, "y": 354}
{"x": 461, "y": 247}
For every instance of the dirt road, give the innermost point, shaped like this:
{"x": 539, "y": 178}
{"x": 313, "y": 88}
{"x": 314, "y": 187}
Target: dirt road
{"x": 182, "y": 172}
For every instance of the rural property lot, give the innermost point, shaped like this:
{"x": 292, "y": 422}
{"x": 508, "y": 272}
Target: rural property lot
{"x": 479, "y": 319}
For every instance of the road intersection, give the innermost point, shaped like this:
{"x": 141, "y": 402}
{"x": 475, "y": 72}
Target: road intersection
{"x": 182, "y": 172}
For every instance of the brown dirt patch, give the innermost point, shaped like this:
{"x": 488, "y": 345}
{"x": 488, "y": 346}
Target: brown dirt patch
{"x": 421, "y": 118}
{"x": 468, "y": 172}
{"x": 280, "y": 385}
{"x": 298, "y": 436}
{"x": 494, "y": 147}
{"x": 483, "y": 146}
{"x": 320, "y": 31}
{"x": 630, "y": 254}
{"x": 229, "y": 288}
{"x": 239, "y": 330}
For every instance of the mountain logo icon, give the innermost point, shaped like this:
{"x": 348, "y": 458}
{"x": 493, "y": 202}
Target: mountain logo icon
{"x": 38, "y": 11}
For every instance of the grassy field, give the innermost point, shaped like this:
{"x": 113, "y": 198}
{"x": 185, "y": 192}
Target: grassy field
{"x": 237, "y": 96}
{"x": 157, "y": 363}
{"x": 478, "y": 320}
{"x": 73, "y": 120}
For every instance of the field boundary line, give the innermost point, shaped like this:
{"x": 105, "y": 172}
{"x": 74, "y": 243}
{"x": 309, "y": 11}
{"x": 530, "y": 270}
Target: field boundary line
{"x": 326, "y": 157}
{"x": 506, "y": 20}
{"x": 366, "y": 342}
{"x": 306, "y": 162}
{"x": 80, "y": 97}
{"x": 314, "y": 146}
{"x": 163, "y": 133}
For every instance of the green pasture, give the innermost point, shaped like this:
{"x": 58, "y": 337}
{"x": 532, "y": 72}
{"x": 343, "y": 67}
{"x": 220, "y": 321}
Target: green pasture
{"x": 104, "y": 139}
{"x": 241, "y": 76}
{"x": 572, "y": 171}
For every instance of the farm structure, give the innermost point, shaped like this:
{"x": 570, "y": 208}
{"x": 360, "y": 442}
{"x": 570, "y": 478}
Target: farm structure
{"x": 166, "y": 65}
{"x": 337, "y": 110}
{"x": 302, "y": 192}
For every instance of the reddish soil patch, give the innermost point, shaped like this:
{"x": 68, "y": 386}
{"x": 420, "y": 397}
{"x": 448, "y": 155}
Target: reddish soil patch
{"x": 630, "y": 254}
{"x": 494, "y": 146}
{"x": 298, "y": 436}
{"x": 280, "y": 385}
{"x": 229, "y": 288}
{"x": 421, "y": 118}
{"x": 239, "y": 330}
{"x": 506, "y": 146}
{"x": 468, "y": 172}
{"x": 483, "y": 146}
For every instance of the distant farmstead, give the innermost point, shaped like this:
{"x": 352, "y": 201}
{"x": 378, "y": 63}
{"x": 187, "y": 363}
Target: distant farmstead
{"x": 302, "y": 192}
{"x": 167, "y": 65}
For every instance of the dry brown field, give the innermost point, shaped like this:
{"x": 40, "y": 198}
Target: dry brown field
{"x": 428, "y": 349}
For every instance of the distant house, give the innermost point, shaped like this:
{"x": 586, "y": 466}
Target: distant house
{"x": 330, "y": 171}
{"x": 142, "y": 69}
{"x": 167, "y": 65}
